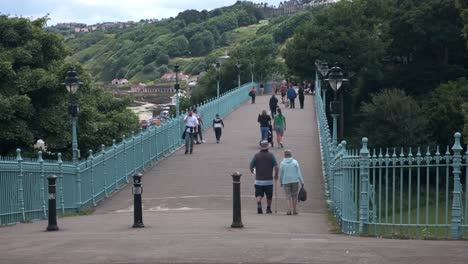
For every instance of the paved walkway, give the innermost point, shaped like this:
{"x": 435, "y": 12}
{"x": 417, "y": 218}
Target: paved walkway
{"x": 188, "y": 211}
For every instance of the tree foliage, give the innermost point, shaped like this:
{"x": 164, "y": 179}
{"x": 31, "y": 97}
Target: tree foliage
{"x": 413, "y": 46}
{"x": 34, "y": 101}
{"x": 190, "y": 33}
{"x": 393, "y": 119}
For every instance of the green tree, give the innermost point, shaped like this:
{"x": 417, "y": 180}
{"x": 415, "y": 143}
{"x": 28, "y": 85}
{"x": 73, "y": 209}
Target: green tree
{"x": 178, "y": 46}
{"x": 446, "y": 107}
{"x": 426, "y": 45}
{"x": 202, "y": 43}
{"x": 33, "y": 99}
{"x": 162, "y": 59}
{"x": 393, "y": 119}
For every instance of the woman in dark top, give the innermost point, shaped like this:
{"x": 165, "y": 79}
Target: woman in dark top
{"x": 301, "y": 96}
{"x": 218, "y": 126}
{"x": 265, "y": 122}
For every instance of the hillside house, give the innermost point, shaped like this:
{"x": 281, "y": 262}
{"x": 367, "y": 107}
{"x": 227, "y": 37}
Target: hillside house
{"x": 119, "y": 81}
{"x": 171, "y": 77}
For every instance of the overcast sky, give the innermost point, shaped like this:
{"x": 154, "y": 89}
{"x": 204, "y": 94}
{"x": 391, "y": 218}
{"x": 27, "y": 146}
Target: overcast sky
{"x": 95, "y": 11}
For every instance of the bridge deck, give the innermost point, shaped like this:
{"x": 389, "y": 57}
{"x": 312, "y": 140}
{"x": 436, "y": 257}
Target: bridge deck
{"x": 188, "y": 211}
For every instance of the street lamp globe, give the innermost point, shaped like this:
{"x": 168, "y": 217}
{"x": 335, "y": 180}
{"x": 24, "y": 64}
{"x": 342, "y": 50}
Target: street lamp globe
{"x": 40, "y": 145}
{"x": 335, "y": 78}
{"x": 72, "y": 81}
{"x": 323, "y": 69}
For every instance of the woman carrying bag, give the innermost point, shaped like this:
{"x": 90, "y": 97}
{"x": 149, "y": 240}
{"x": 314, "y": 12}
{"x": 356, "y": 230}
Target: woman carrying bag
{"x": 290, "y": 177}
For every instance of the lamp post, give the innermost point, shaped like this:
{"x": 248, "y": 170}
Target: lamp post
{"x": 252, "y": 70}
{"x": 218, "y": 69}
{"x": 322, "y": 67}
{"x": 177, "y": 87}
{"x": 72, "y": 83}
{"x": 238, "y": 66}
{"x": 335, "y": 79}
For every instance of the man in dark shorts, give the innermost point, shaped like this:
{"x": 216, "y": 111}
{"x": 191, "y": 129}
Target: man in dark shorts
{"x": 264, "y": 162}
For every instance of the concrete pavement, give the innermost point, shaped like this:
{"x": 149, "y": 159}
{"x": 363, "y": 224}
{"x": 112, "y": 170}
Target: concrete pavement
{"x": 188, "y": 211}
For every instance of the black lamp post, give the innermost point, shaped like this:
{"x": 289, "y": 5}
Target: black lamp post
{"x": 252, "y": 64}
{"x": 218, "y": 69}
{"x": 177, "y": 87}
{"x": 335, "y": 79}
{"x": 72, "y": 82}
{"x": 238, "y": 67}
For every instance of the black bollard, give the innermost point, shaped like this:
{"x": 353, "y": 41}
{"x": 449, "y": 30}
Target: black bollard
{"x": 236, "y": 201}
{"x": 137, "y": 207}
{"x": 52, "y": 225}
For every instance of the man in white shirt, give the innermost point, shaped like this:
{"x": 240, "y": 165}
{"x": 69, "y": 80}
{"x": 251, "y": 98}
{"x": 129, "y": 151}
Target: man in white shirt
{"x": 191, "y": 123}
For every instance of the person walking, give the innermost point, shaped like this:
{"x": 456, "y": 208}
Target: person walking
{"x": 218, "y": 126}
{"x": 292, "y": 97}
{"x": 279, "y": 125}
{"x": 301, "y": 96}
{"x": 252, "y": 94}
{"x": 264, "y": 163}
{"x": 262, "y": 89}
{"x": 284, "y": 88}
{"x": 273, "y": 105}
{"x": 265, "y": 121}
{"x": 191, "y": 123}
{"x": 199, "y": 132}
{"x": 290, "y": 177}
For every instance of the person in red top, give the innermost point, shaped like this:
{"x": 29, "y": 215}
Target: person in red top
{"x": 284, "y": 88}
{"x": 252, "y": 94}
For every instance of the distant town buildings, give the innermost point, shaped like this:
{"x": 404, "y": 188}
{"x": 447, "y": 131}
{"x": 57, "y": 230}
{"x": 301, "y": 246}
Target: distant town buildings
{"x": 171, "y": 77}
{"x": 291, "y": 7}
{"x": 143, "y": 88}
{"x": 83, "y": 28}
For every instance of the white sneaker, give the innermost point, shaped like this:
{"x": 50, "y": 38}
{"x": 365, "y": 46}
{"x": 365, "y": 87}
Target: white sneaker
{"x": 203, "y": 141}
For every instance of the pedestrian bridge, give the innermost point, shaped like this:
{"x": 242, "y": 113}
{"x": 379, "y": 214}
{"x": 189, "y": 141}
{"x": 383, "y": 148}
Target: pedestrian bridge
{"x": 187, "y": 199}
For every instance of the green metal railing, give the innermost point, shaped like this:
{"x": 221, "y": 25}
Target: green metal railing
{"x": 23, "y": 183}
{"x": 399, "y": 193}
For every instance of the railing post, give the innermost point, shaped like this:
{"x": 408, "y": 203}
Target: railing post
{"x": 91, "y": 158}
{"x": 125, "y": 158}
{"x": 20, "y": 184}
{"x": 455, "y": 227}
{"x": 42, "y": 180}
{"x": 116, "y": 178}
{"x": 142, "y": 150}
{"x": 364, "y": 163}
{"x": 62, "y": 198}
{"x": 104, "y": 164}
{"x": 79, "y": 200}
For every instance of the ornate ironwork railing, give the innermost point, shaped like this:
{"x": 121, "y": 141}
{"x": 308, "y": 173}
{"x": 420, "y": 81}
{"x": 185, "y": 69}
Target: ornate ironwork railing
{"x": 399, "y": 193}
{"x": 23, "y": 183}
